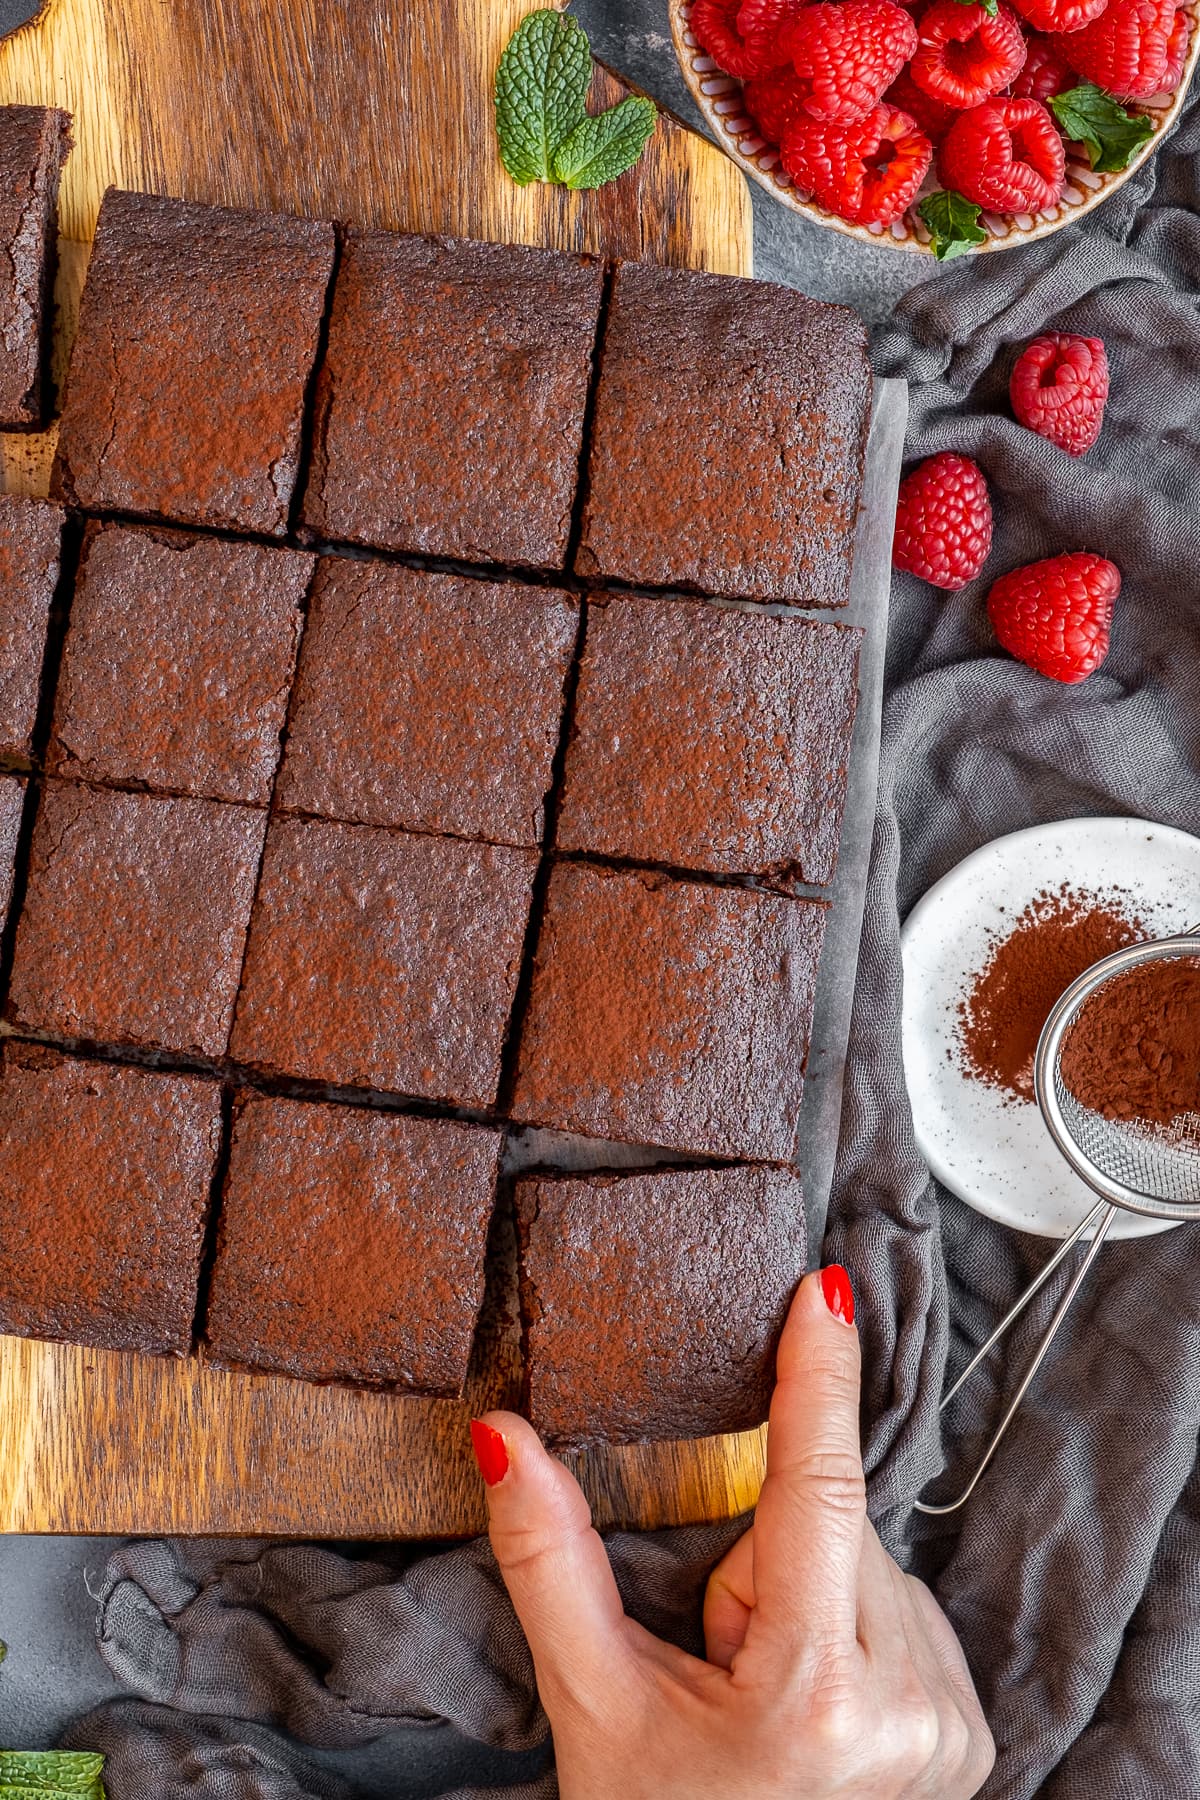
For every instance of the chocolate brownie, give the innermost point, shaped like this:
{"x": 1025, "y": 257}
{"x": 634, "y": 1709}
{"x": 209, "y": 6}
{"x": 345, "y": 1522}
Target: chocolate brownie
{"x": 652, "y": 1303}
{"x": 428, "y": 702}
{"x": 30, "y": 555}
{"x": 711, "y": 739}
{"x": 34, "y": 141}
{"x": 379, "y": 959}
{"x": 198, "y": 332}
{"x": 177, "y": 664}
{"x": 351, "y": 1246}
{"x": 729, "y": 438}
{"x": 670, "y": 1013}
{"x": 12, "y": 801}
{"x": 105, "y": 1178}
{"x": 450, "y": 403}
{"x": 135, "y": 918}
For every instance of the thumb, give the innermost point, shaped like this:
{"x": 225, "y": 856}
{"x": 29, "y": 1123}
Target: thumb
{"x": 554, "y": 1565}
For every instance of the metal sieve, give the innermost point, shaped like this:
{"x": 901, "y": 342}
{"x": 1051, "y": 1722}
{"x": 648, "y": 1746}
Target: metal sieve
{"x": 1130, "y": 1165}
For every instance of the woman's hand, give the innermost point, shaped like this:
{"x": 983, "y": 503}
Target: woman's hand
{"x": 828, "y": 1671}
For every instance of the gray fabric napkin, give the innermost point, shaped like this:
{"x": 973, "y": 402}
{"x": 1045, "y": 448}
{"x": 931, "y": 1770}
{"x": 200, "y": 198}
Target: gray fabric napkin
{"x": 1074, "y": 1576}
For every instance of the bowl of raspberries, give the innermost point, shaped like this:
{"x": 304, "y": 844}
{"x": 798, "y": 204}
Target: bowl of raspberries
{"x": 938, "y": 126}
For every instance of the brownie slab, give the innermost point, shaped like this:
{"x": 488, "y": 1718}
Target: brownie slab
{"x": 12, "y": 802}
{"x": 178, "y": 661}
{"x": 34, "y": 141}
{"x": 450, "y": 404}
{"x": 105, "y": 1177}
{"x": 729, "y": 438}
{"x": 428, "y": 702}
{"x": 135, "y": 918}
{"x": 380, "y": 959}
{"x": 652, "y": 1304}
{"x": 351, "y": 1246}
{"x": 198, "y": 332}
{"x": 669, "y": 1013}
{"x": 30, "y": 558}
{"x": 710, "y": 739}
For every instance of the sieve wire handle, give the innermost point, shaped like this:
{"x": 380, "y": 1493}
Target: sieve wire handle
{"x": 1102, "y": 1216}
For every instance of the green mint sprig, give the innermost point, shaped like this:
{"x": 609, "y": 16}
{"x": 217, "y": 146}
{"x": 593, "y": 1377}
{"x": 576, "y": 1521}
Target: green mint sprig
{"x": 543, "y": 126}
{"x": 1110, "y": 135}
{"x": 990, "y": 7}
{"x": 51, "y": 1775}
{"x": 953, "y": 222}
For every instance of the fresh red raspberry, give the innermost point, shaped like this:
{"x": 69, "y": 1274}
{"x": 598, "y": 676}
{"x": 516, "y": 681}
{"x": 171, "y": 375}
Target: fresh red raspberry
{"x": 716, "y": 27}
{"x": 943, "y": 521}
{"x": 848, "y": 52}
{"x": 964, "y": 56}
{"x": 1005, "y": 155}
{"x": 1055, "y": 615}
{"x": 1058, "y": 388}
{"x": 866, "y": 172}
{"x": 934, "y": 118}
{"x": 1177, "y": 49}
{"x": 1059, "y": 15}
{"x": 776, "y": 101}
{"x": 1126, "y": 50}
{"x": 1044, "y": 74}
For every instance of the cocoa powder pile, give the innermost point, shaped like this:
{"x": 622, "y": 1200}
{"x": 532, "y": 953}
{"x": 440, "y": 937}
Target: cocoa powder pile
{"x": 1134, "y": 1051}
{"x": 1057, "y": 937}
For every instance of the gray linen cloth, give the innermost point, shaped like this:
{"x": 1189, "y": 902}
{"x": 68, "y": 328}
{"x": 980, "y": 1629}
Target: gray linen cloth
{"x": 1074, "y": 1576}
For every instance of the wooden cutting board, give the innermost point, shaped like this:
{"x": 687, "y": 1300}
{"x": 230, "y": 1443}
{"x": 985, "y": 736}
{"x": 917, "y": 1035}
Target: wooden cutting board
{"x": 377, "y": 112}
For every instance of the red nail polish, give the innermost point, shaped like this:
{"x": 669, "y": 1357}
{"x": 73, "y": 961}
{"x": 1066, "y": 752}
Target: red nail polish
{"x": 839, "y": 1295}
{"x": 491, "y": 1452}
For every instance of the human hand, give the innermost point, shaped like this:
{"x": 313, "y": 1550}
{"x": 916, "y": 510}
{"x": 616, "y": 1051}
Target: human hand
{"x": 829, "y": 1672}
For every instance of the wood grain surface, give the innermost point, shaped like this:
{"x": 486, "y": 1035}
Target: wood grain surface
{"x": 377, "y": 112}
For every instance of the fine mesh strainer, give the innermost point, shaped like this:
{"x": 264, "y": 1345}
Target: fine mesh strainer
{"x": 1131, "y": 1165}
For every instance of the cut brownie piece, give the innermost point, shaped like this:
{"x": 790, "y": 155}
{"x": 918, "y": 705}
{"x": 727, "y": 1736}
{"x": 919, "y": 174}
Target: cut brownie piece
{"x": 197, "y": 335}
{"x": 34, "y": 141}
{"x": 711, "y": 739}
{"x": 729, "y": 439}
{"x": 12, "y": 800}
{"x": 383, "y": 960}
{"x": 351, "y": 1246}
{"x": 135, "y": 918}
{"x": 450, "y": 404}
{"x": 652, "y": 1304}
{"x": 428, "y": 702}
{"x": 178, "y": 661}
{"x": 105, "y": 1177}
{"x": 30, "y": 556}
{"x": 670, "y": 1013}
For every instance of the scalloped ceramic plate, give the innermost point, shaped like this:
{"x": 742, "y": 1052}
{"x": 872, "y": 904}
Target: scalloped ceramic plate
{"x": 719, "y": 98}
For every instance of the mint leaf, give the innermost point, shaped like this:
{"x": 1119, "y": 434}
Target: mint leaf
{"x": 1109, "y": 134}
{"x": 542, "y": 83}
{"x": 50, "y": 1775}
{"x": 601, "y": 148}
{"x": 990, "y": 7}
{"x": 954, "y": 223}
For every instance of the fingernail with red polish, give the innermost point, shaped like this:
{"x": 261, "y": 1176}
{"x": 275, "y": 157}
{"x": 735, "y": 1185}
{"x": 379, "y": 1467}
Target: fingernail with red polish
{"x": 491, "y": 1452}
{"x": 839, "y": 1295}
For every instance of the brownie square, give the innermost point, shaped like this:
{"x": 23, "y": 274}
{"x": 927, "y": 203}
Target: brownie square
{"x": 351, "y": 1246}
{"x": 178, "y": 661}
{"x": 383, "y": 960}
{"x": 670, "y": 1013}
{"x": 34, "y": 141}
{"x": 729, "y": 439}
{"x": 710, "y": 739}
{"x": 652, "y": 1304}
{"x": 135, "y": 918}
{"x": 450, "y": 403}
{"x": 198, "y": 332}
{"x": 105, "y": 1177}
{"x": 428, "y": 702}
{"x": 30, "y": 558}
{"x": 12, "y": 801}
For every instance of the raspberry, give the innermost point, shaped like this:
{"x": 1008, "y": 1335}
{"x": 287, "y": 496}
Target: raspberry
{"x": 943, "y": 521}
{"x": 866, "y": 172}
{"x": 1177, "y": 49}
{"x": 963, "y": 55}
{"x": 1005, "y": 155}
{"x": 1058, "y": 388}
{"x": 776, "y": 101}
{"x": 848, "y": 53}
{"x": 715, "y": 26}
{"x": 1055, "y": 615}
{"x": 934, "y": 118}
{"x": 1125, "y": 50}
{"x": 1044, "y": 74}
{"x": 1059, "y": 15}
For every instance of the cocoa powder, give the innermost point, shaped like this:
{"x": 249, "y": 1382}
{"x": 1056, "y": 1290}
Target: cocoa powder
{"x": 1134, "y": 1051}
{"x": 1057, "y": 937}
